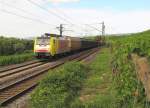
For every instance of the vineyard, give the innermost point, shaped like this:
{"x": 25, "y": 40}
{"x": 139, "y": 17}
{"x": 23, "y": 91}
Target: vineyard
{"x": 130, "y": 91}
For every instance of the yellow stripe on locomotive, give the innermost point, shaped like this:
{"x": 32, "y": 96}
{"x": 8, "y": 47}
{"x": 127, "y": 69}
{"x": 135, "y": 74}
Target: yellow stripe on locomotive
{"x": 46, "y": 46}
{"x": 52, "y": 46}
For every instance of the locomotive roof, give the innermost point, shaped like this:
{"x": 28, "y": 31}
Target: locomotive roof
{"x": 47, "y": 35}
{"x": 50, "y": 34}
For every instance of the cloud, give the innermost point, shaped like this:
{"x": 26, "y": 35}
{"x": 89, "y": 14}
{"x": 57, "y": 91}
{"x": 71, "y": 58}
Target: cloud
{"x": 116, "y": 21}
{"x": 62, "y": 1}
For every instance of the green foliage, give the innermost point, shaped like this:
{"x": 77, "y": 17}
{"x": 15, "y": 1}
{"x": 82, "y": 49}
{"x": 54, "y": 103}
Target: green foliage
{"x": 125, "y": 77}
{"x": 98, "y": 68}
{"x": 9, "y": 46}
{"x": 60, "y": 87}
{"x": 100, "y": 101}
{"x": 128, "y": 90}
{"x": 97, "y": 92}
{"x": 14, "y": 59}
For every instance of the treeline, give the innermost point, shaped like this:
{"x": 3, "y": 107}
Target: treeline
{"x": 10, "y": 46}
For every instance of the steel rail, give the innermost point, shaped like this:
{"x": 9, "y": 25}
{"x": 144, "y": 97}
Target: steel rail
{"x": 17, "y": 89}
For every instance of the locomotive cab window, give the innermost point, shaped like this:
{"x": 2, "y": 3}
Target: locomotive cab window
{"x": 43, "y": 41}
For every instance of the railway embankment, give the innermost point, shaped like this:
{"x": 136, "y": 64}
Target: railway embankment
{"x": 142, "y": 67}
{"x": 128, "y": 78}
{"x": 17, "y": 80}
{"x": 76, "y": 85}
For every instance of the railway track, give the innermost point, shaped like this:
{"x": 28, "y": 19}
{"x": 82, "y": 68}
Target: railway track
{"x": 17, "y": 81}
{"x": 7, "y": 68}
{"x": 13, "y": 71}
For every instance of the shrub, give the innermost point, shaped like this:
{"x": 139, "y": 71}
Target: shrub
{"x": 99, "y": 101}
{"x": 9, "y": 46}
{"x": 60, "y": 87}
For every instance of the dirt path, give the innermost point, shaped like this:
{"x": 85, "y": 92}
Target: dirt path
{"x": 143, "y": 71}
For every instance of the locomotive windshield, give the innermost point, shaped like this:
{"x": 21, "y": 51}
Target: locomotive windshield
{"x": 43, "y": 41}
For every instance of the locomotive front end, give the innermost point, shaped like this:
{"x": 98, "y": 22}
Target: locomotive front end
{"x": 42, "y": 47}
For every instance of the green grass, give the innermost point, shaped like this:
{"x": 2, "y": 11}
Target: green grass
{"x": 100, "y": 68}
{"x": 75, "y": 85}
{"x": 96, "y": 91}
{"x": 125, "y": 79}
{"x": 15, "y": 59}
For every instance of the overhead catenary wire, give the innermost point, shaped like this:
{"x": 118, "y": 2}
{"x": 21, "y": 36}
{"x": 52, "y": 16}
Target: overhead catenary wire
{"x": 25, "y": 17}
{"x": 93, "y": 27}
{"x": 18, "y": 15}
{"x": 49, "y": 11}
{"x": 60, "y": 11}
{"x": 53, "y": 13}
{"x": 40, "y": 21}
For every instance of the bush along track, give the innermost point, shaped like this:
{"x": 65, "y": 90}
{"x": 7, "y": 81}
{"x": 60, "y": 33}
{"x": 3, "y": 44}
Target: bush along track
{"x": 76, "y": 85}
{"x": 130, "y": 91}
{"x": 14, "y": 59}
{"x": 96, "y": 91}
{"x": 60, "y": 88}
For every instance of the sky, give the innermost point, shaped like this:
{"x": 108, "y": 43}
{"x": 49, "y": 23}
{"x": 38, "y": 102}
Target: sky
{"x": 29, "y": 18}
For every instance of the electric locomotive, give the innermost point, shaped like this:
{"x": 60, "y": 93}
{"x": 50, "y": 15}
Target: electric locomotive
{"x": 49, "y": 45}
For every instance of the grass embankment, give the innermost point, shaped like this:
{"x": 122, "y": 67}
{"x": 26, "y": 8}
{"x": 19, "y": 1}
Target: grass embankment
{"x": 60, "y": 88}
{"x": 76, "y": 85}
{"x": 97, "y": 90}
{"x": 129, "y": 89}
{"x": 14, "y": 59}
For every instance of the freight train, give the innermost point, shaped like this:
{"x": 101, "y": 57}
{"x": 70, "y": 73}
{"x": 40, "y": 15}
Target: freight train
{"x": 50, "y": 45}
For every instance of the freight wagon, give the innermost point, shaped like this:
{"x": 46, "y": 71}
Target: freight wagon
{"x": 49, "y": 45}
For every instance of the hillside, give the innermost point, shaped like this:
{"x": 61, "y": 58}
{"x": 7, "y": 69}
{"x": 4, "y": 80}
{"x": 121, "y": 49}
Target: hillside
{"x": 127, "y": 83}
{"x": 110, "y": 82}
